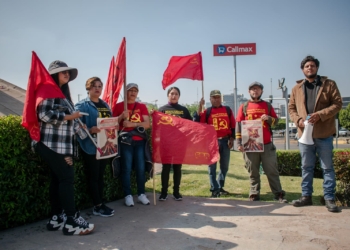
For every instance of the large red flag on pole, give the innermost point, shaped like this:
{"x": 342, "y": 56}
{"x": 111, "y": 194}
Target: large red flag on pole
{"x": 108, "y": 90}
{"x": 116, "y": 76}
{"x": 181, "y": 141}
{"x": 40, "y": 86}
{"x": 189, "y": 67}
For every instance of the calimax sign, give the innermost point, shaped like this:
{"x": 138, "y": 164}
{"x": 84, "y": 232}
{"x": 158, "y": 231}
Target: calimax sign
{"x": 234, "y": 49}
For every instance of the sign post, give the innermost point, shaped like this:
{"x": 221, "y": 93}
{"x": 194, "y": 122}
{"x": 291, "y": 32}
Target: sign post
{"x": 238, "y": 49}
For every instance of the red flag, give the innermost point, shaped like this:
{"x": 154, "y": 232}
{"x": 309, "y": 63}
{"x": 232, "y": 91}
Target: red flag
{"x": 108, "y": 90}
{"x": 40, "y": 86}
{"x": 189, "y": 67}
{"x": 117, "y": 76}
{"x": 181, "y": 141}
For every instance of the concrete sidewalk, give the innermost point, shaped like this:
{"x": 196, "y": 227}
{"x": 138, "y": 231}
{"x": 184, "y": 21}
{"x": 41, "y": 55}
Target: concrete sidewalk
{"x": 196, "y": 223}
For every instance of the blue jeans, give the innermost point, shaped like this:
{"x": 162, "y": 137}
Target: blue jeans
{"x": 133, "y": 155}
{"x": 224, "y": 152}
{"x": 324, "y": 149}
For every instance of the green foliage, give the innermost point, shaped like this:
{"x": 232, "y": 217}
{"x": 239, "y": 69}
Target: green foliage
{"x": 289, "y": 164}
{"x": 25, "y": 179}
{"x": 344, "y": 117}
{"x": 191, "y": 107}
{"x": 341, "y": 161}
{"x": 280, "y": 125}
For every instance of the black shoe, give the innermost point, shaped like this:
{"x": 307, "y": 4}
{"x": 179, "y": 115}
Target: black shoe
{"x": 331, "y": 206}
{"x": 107, "y": 208}
{"x": 280, "y": 197}
{"x": 215, "y": 194}
{"x": 102, "y": 211}
{"x": 254, "y": 197}
{"x": 223, "y": 192}
{"x": 177, "y": 196}
{"x": 77, "y": 225}
{"x": 303, "y": 201}
{"x": 56, "y": 222}
{"x": 163, "y": 197}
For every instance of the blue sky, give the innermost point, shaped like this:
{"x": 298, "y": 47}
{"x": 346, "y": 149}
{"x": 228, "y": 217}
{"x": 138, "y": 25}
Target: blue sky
{"x": 86, "y": 34}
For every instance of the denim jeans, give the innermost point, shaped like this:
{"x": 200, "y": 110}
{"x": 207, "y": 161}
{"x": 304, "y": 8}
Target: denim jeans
{"x": 224, "y": 152}
{"x": 324, "y": 149}
{"x": 133, "y": 156}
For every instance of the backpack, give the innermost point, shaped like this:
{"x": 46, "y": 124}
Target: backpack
{"x": 228, "y": 110}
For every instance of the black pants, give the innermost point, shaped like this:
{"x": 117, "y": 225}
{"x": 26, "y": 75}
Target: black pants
{"x": 95, "y": 170}
{"x": 176, "y": 177}
{"x": 62, "y": 181}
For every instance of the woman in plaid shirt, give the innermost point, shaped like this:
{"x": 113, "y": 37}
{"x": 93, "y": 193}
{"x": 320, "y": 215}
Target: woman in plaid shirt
{"x": 58, "y": 124}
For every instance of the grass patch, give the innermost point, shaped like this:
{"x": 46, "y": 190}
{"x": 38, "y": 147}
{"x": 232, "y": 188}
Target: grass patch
{"x": 195, "y": 182}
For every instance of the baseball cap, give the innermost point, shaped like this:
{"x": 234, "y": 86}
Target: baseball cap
{"x": 215, "y": 92}
{"x": 256, "y": 84}
{"x": 132, "y": 85}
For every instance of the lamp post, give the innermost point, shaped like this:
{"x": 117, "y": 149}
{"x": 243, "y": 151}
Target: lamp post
{"x": 285, "y": 96}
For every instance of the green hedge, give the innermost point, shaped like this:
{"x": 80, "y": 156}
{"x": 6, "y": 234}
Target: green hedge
{"x": 289, "y": 164}
{"x": 25, "y": 178}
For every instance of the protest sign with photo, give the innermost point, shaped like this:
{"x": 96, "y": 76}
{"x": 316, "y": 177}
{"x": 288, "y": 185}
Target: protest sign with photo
{"x": 107, "y": 139}
{"x": 252, "y": 136}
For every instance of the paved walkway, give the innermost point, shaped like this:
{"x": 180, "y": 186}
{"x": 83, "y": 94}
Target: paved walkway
{"x": 196, "y": 223}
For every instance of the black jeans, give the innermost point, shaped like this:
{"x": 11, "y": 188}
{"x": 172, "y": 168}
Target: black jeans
{"x": 62, "y": 181}
{"x": 95, "y": 170}
{"x": 176, "y": 177}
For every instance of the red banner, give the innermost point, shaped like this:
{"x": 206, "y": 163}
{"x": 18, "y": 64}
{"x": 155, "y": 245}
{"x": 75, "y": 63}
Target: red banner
{"x": 189, "y": 67}
{"x": 181, "y": 141}
{"x": 40, "y": 86}
{"x": 116, "y": 76}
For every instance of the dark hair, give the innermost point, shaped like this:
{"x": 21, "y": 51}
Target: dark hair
{"x": 64, "y": 88}
{"x": 176, "y": 88}
{"x": 91, "y": 81}
{"x": 309, "y": 59}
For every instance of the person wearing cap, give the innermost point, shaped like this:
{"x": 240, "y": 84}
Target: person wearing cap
{"x": 132, "y": 124}
{"x": 316, "y": 99}
{"x": 96, "y": 108}
{"x": 257, "y": 109}
{"x": 58, "y": 123}
{"x": 175, "y": 109}
{"x": 223, "y": 120}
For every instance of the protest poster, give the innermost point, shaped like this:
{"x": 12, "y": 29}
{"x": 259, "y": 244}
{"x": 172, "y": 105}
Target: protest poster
{"x": 252, "y": 136}
{"x": 107, "y": 138}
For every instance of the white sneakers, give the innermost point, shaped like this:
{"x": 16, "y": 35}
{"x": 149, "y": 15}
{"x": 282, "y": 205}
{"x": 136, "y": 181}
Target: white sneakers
{"x": 143, "y": 199}
{"x": 129, "y": 201}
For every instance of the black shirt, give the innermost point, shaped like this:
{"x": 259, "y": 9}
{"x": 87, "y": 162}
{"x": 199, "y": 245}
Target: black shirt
{"x": 311, "y": 94}
{"x": 103, "y": 111}
{"x": 176, "y": 110}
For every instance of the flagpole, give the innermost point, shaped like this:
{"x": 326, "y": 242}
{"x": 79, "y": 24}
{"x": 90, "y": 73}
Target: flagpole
{"x": 125, "y": 94}
{"x": 154, "y": 185}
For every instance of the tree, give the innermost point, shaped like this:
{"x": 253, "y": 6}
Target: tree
{"x": 280, "y": 125}
{"x": 344, "y": 117}
{"x": 191, "y": 107}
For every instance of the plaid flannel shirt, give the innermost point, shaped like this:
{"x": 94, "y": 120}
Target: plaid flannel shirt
{"x": 55, "y": 132}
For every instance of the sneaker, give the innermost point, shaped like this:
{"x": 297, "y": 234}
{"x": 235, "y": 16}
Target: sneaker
{"x": 254, "y": 197}
{"x": 143, "y": 199}
{"x": 77, "y": 225}
{"x": 102, "y": 211}
{"x": 107, "y": 208}
{"x": 215, "y": 194}
{"x": 224, "y": 192}
{"x": 177, "y": 196}
{"x": 280, "y": 198}
{"x": 129, "y": 201}
{"x": 56, "y": 222}
{"x": 163, "y": 197}
{"x": 303, "y": 201}
{"x": 331, "y": 206}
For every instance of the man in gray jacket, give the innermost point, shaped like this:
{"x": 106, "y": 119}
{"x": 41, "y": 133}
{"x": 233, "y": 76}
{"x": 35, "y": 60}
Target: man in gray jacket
{"x": 317, "y": 100}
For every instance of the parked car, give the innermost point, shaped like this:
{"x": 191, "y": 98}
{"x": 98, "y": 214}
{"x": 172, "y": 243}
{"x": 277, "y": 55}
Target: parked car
{"x": 292, "y": 132}
{"x": 344, "y": 132}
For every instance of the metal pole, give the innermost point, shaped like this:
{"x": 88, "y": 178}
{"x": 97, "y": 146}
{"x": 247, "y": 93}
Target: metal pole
{"x": 287, "y": 118}
{"x": 235, "y": 89}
